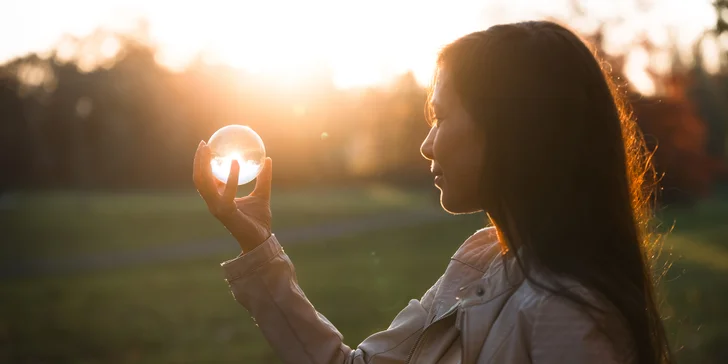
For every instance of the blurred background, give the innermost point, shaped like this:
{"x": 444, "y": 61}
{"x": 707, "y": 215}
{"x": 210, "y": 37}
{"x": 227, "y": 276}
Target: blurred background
{"x": 108, "y": 254}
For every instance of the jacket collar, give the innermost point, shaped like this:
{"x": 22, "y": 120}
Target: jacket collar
{"x": 503, "y": 275}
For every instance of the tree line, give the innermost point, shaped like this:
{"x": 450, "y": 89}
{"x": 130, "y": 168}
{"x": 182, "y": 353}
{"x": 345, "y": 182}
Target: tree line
{"x": 129, "y": 123}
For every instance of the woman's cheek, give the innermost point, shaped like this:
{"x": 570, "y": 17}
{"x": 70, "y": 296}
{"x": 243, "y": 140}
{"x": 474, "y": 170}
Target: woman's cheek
{"x": 440, "y": 148}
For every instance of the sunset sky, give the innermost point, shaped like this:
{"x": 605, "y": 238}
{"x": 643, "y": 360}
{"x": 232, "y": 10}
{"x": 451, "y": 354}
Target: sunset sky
{"x": 362, "y": 42}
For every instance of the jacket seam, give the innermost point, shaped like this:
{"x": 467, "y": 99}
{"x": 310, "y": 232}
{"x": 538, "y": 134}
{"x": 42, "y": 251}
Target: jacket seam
{"x": 469, "y": 265}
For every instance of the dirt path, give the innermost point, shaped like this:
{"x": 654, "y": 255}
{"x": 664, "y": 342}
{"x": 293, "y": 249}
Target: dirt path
{"x": 198, "y": 249}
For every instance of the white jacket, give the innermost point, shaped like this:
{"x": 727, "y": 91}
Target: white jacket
{"x": 481, "y": 310}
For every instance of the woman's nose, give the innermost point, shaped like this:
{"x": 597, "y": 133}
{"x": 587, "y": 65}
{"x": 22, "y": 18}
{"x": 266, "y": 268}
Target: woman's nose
{"x": 426, "y": 148}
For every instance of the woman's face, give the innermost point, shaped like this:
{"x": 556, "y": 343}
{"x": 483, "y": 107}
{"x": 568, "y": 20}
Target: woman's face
{"x": 455, "y": 145}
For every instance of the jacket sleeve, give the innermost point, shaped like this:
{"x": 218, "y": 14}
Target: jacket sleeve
{"x": 565, "y": 333}
{"x": 264, "y": 282}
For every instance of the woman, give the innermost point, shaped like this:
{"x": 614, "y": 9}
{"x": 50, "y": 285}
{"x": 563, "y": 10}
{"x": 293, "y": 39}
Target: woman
{"x": 527, "y": 128}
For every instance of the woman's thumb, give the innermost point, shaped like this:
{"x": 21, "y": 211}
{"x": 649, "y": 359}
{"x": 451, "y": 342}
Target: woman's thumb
{"x": 263, "y": 182}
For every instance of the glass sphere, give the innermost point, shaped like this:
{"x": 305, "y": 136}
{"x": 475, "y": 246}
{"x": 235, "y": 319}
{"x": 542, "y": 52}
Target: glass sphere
{"x": 236, "y": 142}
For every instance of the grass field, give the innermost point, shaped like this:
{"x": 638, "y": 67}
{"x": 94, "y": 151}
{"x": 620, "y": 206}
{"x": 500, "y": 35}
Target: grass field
{"x": 65, "y": 224}
{"x": 181, "y": 312}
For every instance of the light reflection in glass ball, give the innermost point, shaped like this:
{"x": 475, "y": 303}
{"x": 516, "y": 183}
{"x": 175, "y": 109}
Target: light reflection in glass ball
{"x": 236, "y": 142}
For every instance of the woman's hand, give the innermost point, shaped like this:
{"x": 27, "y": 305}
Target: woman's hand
{"x": 247, "y": 218}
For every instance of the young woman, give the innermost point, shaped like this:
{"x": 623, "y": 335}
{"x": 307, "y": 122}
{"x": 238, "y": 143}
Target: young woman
{"x": 528, "y": 128}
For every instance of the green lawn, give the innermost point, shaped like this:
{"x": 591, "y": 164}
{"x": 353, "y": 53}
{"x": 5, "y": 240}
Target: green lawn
{"x": 183, "y": 313}
{"x": 65, "y": 224}
{"x": 696, "y": 286}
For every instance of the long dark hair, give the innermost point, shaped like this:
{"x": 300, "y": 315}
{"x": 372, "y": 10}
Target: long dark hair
{"x": 567, "y": 176}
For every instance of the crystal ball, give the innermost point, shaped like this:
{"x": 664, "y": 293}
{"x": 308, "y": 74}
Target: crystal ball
{"x": 236, "y": 142}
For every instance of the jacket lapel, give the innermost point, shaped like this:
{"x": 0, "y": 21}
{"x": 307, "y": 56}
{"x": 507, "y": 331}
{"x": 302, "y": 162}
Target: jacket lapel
{"x": 482, "y": 303}
{"x": 467, "y": 265}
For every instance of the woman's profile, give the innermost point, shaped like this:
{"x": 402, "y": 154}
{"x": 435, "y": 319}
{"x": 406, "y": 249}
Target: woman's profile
{"x": 528, "y": 128}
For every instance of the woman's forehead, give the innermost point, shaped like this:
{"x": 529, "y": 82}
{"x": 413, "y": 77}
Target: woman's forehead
{"x": 442, "y": 92}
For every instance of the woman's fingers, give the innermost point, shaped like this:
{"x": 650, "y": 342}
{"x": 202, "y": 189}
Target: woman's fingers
{"x": 207, "y": 180}
{"x": 264, "y": 180}
{"x": 197, "y": 173}
{"x": 196, "y": 165}
{"x": 231, "y": 187}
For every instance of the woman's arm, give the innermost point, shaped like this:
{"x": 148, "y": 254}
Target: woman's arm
{"x": 264, "y": 282}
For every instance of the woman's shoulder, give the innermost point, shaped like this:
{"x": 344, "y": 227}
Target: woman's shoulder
{"x": 479, "y": 250}
{"x": 573, "y": 311}
{"x": 548, "y": 294}
{"x": 557, "y": 291}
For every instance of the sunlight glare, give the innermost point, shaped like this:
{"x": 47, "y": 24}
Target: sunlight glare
{"x": 248, "y": 168}
{"x": 361, "y": 43}
{"x": 240, "y": 143}
{"x": 710, "y": 50}
{"x": 635, "y": 69}
{"x": 110, "y": 47}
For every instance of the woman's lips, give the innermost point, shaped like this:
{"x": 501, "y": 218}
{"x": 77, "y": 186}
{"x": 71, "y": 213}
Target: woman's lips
{"x": 438, "y": 179}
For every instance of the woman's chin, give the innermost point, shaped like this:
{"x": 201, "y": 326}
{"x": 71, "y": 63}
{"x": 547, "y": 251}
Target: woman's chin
{"x": 457, "y": 204}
